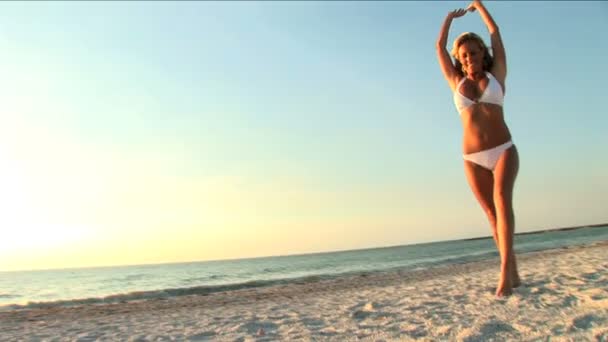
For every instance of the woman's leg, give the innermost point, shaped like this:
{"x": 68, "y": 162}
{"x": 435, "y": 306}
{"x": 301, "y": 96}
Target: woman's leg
{"x": 481, "y": 181}
{"x": 505, "y": 173}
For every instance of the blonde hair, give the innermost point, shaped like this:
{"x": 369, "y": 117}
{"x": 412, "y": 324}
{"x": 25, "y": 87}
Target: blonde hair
{"x": 488, "y": 60}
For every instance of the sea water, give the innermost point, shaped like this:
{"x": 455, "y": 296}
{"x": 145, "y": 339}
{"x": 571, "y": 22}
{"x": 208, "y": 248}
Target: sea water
{"x": 29, "y": 289}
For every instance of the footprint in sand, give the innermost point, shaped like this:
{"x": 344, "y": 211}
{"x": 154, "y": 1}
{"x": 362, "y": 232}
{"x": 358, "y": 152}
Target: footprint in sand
{"x": 558, "y": 330}
{"x": 90, "y": 336}
{"x": 594, "y": 295}
{"x": 204, "y": 336}
{"x": 569, "y": 301}
{"x": 370, "y": 310}
{"x": 413, "y": 330}
{"x": 492, "y": 330}
{"x": 361, "y": 315}
{"x": 587, "y": 321}
{"x": 363, "y": 310}
{"x": 591, "y": 276}
{"x": 328, "y": 331}
{"x": 313, "y": 323}
{"x": 254, "y": 327}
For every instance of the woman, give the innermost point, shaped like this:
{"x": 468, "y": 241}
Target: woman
{"x": 491, "y": 161}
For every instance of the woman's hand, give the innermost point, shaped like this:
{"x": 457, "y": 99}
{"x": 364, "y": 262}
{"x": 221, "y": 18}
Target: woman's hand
{"x": 474, "y": 5}
{"x": 457, "y": 13}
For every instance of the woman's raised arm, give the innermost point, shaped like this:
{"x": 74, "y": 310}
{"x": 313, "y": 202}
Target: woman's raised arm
{"x": 499, "y": 68}
{"x": 445, "y": 61}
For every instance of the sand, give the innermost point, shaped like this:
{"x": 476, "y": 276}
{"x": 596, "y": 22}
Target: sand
{"x": 564, "y": 297}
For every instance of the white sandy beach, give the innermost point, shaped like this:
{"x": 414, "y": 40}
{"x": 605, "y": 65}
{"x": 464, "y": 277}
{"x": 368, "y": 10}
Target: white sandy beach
{"x": 564, "y": 296}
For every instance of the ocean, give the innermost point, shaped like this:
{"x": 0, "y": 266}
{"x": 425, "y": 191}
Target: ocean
{"x": 44, "y": 288}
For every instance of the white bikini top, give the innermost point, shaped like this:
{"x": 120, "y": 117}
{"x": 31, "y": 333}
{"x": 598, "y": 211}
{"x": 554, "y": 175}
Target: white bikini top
{"x": 492, "y": 94}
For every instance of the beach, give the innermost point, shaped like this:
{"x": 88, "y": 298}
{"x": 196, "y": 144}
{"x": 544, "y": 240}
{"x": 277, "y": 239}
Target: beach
{"x": 564, "y": 296}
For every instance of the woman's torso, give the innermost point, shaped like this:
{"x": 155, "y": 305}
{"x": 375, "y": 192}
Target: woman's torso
{"x": 480, "y": 105}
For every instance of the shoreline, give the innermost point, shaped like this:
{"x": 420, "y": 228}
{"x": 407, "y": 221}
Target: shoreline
{"x": 549, "y": 230}
{"x": 567, "y": 285}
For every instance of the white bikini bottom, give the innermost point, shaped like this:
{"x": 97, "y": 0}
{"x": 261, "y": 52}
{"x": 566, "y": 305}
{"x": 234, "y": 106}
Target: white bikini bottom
{"x": 488, "y": 158}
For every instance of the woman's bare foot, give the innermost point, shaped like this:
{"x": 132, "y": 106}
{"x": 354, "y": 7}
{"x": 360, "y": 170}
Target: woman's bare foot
{"x": 505, "y": 287}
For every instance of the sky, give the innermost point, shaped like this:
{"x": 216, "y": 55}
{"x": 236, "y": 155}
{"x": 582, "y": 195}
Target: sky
{"x": 153, "y": 132}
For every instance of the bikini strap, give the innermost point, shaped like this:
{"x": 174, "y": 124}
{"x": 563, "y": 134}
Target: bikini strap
{"x": 459, "y": 84}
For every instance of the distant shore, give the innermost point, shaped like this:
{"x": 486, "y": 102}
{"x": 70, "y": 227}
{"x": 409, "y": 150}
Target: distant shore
{"x": 564, "y": 294}
{"x": 597, "y": 225}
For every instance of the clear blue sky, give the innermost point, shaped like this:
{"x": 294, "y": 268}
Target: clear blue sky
{"x": 236, "y": 129}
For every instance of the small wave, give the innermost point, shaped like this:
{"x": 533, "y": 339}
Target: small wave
{"x": 274, "y": 269}
{"x": 130, "y": 277}
{"x": 215, "y": 277}
{"x": 135, "y": 277}
{"x": 159, "y": 294}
